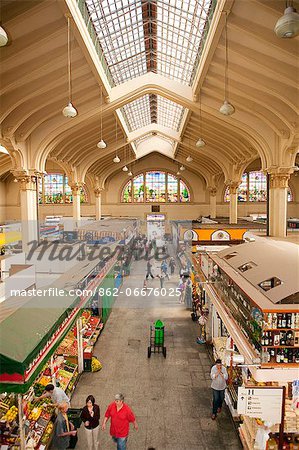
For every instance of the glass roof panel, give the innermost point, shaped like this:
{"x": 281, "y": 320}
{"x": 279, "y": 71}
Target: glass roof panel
{"x": 134, "y": 33}
{"x": 138, "y": 113}
{"x": 161, "y": 36}
{"x": 169, "y": 113}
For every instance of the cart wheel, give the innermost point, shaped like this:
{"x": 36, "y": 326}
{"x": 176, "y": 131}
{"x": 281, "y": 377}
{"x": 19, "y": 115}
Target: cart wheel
{"x": 164, "y": 352}
{"x": 149, "y": 352}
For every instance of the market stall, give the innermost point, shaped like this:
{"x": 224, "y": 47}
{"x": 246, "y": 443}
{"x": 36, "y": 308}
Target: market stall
{"x": 254, "y": 327}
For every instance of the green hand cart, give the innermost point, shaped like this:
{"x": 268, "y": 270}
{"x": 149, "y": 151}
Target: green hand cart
{"x": 156, "y": 339}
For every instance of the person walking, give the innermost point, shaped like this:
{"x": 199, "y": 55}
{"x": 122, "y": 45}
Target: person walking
{"x": 219, "y": 377}
{"x": 149, "y": 270}
{"x": 172, "y": 265}
{"x": 164, "y": 269}
{"x": 90, "y": 416}
{"x": 120, "y": 415}
{"x": 63, "y": 429}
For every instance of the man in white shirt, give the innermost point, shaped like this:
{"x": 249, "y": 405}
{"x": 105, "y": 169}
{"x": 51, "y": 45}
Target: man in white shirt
{"x": 57, "y": 395}
{"x": 219, "y": 377}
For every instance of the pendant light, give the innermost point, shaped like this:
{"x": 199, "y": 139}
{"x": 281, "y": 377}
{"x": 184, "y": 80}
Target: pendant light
{"x": 116, "y": 159}
{"x": 130, "y": 174}
{"x": 287, "y": 26}
{"x": 69, "y": 111}
{"x": 125, "y": 169}
{"x": 200, "y": 142}
{"x": 227, "y": 109}
{"x": 3, "y": 37}
{"x": 3, "y": 149}
{"x": 189, "y": 158}
{"x": 182, "y": 168}
{"x": 101, "y": 144}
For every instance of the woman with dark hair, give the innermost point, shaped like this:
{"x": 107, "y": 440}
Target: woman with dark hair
{"x": 90, "y": 416}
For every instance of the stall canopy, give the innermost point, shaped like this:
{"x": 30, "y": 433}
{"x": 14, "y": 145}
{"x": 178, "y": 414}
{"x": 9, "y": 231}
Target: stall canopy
{"x": 26, "y": 333}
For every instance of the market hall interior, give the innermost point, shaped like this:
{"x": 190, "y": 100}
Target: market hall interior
{"x": 176, "y": 121}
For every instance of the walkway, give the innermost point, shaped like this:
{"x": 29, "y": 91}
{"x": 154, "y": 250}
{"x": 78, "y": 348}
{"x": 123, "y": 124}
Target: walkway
{"x": 170, "y": 397}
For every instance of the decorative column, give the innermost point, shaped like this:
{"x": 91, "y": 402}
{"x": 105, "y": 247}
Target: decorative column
{"x": 28, "y": 205}
{"x": 233, "y": 203}
{"x": 213, "y": 204}
{"x": 278, "y": 203}
{"x": 76, "y": 193}
{"x": 98, "y": 195}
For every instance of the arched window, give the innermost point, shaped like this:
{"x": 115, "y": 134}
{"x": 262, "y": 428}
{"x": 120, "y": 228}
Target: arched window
{"x": 155, "y": 187}
{"x": 253, "y": 188}
{"x": 54, "y": 188}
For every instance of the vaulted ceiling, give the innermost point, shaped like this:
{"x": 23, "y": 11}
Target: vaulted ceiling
{"x": 158, "y": 67}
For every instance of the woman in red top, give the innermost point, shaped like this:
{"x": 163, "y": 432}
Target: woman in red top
{"x": 121, "y": 416}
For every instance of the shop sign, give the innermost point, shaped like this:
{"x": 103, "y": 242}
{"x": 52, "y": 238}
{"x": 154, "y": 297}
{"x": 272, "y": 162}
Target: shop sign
{"x": 261, "y": 403}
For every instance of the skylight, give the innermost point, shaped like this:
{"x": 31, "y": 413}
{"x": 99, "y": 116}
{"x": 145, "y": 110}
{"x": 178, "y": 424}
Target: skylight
{"x": 153, "y": 109}
{"x": 161, "y": 36}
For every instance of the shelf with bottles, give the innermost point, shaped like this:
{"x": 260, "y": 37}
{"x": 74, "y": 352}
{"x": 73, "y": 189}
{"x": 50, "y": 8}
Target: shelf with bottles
{"x": 281, "y": 321}
{"x": 280, "y": 355}
{"x": 280, "y": 338}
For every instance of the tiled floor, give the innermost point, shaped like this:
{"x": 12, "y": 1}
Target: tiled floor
{"x": 171, "y": 397}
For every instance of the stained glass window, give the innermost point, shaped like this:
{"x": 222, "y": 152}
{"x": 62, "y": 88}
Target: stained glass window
{"x": 184, "y": 192}
{"x": 54, "y": 188}
{"x": 255, "y": 184}
{"x": 172, "y": 188}
{"x": 257, "y": 187}
{"x": 127, "y": 192}
{"x": 138, "y": 188}
{"x": 157, "y": 187}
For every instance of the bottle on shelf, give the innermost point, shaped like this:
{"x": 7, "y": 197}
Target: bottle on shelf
{"x": 278, "y": 356}
{"x": 272, "y": 444}
{"x": 289, "y": 320}
{"x": 286, "y": 356}
{"x": 266, "y": 339}
{"x": 279, "y": 320}
{"x": 274, "y": 321}
{"x": 284, "y": 321}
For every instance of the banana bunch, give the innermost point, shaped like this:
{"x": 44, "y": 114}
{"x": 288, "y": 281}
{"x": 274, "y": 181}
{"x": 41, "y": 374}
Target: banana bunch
{"x": 11, "y": 414}
{"x": 95, "y": 364}
{"x": 34, "y": 414}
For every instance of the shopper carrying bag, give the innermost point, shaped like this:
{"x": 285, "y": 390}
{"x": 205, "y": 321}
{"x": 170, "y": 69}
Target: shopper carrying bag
{"x": 90, "y": 416}
{"x": 64, "y": 429}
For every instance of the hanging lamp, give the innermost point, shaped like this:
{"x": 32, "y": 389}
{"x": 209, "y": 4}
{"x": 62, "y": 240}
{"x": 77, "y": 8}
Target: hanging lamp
{"x": 130, "y": 174}
{"x": 227, "y": 109}
{"x": 116, "y": 159}
{"x": 189, "y": 158}
{"x": 3, "y": 37}
{"x": 101, "y": 144}
{"x": 69, "y": 111}
{"x": 3, "y": 149}
{"x": 287, "y": 26}
{"x": 182, "y": 168}
{"x": 200, "y": 142}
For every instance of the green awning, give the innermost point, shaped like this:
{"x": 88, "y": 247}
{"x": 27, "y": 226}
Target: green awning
{"x": 25, "y": 332}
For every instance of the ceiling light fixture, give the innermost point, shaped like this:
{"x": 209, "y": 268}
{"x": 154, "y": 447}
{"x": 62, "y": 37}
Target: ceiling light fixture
{"x": 101, "y": 144}
{"x": 69, "y": 111}
{"x": 200, "y": 142}
{"x": 116, "y": 159}
{"x": 125, "y": 169}
{"x": 287, "y": 26}
{"x": 227, "y": 109}
{"x": 182, "y": 168}
{"x": 3, "y": 37}
{"x": 130, "y": 174}
{"x": 189, "y": 158}
{"x": 3, "y": 149}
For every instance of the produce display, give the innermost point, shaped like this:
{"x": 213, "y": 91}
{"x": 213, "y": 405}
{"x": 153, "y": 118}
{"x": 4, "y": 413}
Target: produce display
{"x": 11, "y": 414}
